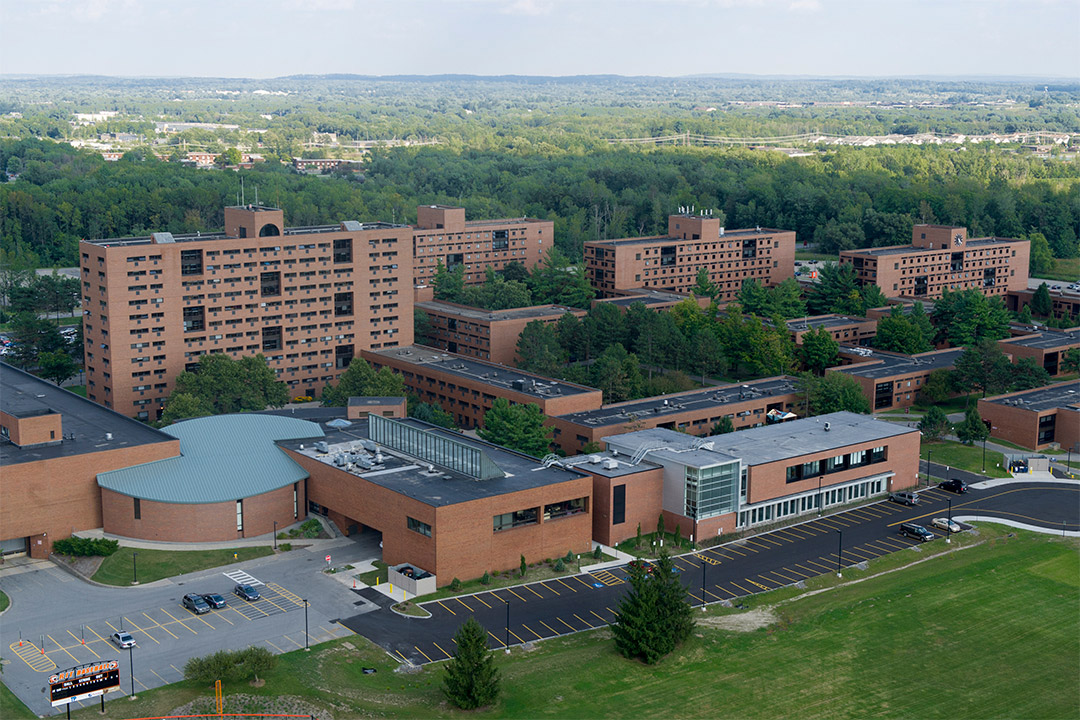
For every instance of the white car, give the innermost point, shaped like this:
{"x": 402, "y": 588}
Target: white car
{"x": 123, "y": 639}
{"x": 945, "y": 524}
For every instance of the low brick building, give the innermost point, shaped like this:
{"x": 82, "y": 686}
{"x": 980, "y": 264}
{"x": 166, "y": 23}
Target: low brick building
{"x": 53, "y": 444}
{"x": 360, "y": 407}
{"x": 843, "y": 329}
{"x": 891, "y": 381}
{"x": 651, "y": 298}
{"x": 1047, "y": 348}
{"x": 1036, "y": 419}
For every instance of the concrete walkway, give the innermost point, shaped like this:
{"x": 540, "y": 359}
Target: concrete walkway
{"x": 257, "y": 541}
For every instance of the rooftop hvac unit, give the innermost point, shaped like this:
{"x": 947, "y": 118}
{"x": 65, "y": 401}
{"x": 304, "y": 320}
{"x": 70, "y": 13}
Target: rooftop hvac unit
{"x": 321, "y": 446}
{"x": 594, "y": 459}
{"x": 611, "y": 464}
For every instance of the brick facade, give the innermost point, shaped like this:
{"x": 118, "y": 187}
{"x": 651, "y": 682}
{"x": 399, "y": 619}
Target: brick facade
{"x": 643, "y": 499}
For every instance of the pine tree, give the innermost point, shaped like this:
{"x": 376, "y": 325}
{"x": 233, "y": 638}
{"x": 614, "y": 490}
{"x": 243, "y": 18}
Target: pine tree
{"x": 934, "y": 424}
{"x": 471, "y": 679}
{"x": 635, "y": 625}
{"x": 674, "y": 614}
{"x": 972, "y": 429}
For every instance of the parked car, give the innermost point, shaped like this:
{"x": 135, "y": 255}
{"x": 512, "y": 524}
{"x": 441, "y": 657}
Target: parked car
{"x": 214, "y": 600}
{"x": 643, "y": 564}
{"x": 946, "y": 524}
{"x": 917, "y": 532}
{"x": 955, "y": 485}
{"x": 123, "y": 640}
{"x": 1056, "y": 287}
{"x": 195, "y": 604}
{"x": 246, "y": 592}
{"x": 905, "y": 498}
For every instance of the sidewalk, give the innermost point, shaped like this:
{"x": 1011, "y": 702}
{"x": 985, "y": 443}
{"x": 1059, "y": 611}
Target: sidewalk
{"x": 258, "y": 541}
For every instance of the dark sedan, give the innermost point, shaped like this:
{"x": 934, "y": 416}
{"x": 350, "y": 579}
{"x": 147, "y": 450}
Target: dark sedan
{"x": 246, "y": 592}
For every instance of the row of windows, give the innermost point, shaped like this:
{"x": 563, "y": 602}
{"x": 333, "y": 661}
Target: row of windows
{"x": 531, "y": 516}
{"x": 855, "y": 459}
{"x": 809, "y": 502}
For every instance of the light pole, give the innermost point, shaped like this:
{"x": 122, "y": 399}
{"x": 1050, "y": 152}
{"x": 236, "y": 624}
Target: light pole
{"x": 839, "y": 551}
{"x": 703, "y": 584}
{"x": 507, "y": 641}
{"x": 134, "y": 569}
{"x": 275, "y": 536}
{"x": 131, "y": 667}
{"x": 928, "y": 453}
{"x": 948, "y": 527}
{"x": 307, "y": 648}
{"x": 984, "y": 455}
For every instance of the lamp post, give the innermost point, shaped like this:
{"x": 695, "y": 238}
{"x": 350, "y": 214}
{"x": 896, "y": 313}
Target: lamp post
{"x": 307, "y": 648}
{"x": 928, "y": 453}
{"x": 948, "y": 528}
{"x": 275, "y": 536}
{"x": 131, "y": 667}
{"x": 703, "y": 583}
{"x": 134, "y": 569}
{"x": 506, "y": 642}
{"x": 839, "y": 551}
{"x": 984, "y": 455}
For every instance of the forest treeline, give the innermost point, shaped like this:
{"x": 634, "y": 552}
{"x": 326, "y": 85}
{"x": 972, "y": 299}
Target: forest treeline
{"x": 842, "y": 198}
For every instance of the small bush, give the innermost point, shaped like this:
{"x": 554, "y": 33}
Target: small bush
{"x": 455, "y": 584}
{"x": 495, "y": 573}
{"x": 310, "y": 528}
{"x": 569, "y": 557}
{"x": 281, "y": 536}
{"x": 559, "y": 567}
{"x": 486, "y": 579}
{"x": 285, "y": 547}
{"x": 85, "y": 547}
{"x": 597, "y": 553}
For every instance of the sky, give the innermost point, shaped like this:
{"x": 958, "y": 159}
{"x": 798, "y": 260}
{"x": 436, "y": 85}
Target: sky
{"x": 272, "y": 38}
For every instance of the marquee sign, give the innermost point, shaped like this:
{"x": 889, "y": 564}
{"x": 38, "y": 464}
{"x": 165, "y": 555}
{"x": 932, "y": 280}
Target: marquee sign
{"x": 84, "y": 681}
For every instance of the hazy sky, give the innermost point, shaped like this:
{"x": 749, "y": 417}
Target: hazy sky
{"x": 268, "y": 38}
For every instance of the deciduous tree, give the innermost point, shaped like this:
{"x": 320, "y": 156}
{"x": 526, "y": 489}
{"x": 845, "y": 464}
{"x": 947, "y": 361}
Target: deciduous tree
{"x": 538, "y": 349}
{"x": 819, "y": 350}
{"x": 362, "y": 380}
{"x": 972, "y": 429}
{"x": 518, "y": 427}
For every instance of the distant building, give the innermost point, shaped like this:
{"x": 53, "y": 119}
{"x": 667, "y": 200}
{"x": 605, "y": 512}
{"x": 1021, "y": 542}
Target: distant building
{"x": 942, "y": 257}
{"x": 1063, "y": 303}
{"x": 843, "y": 329}
{"x": 671, "y": 262}
{"x": 1036, "y": 419}
{"x": 651, "y": 298}
{"x": 891, "y": 381}
{"x": 1047, "y": 348}
{"x": 360, "y": 407}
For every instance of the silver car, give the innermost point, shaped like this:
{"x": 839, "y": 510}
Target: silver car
{"x": 123, "y": 640}
{"x": 945, "y": 524}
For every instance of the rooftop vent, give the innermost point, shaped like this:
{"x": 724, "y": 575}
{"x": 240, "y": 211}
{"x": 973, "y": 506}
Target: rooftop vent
{"x": 611, "y": 464}
{"x": 594, "y": 459}
{"x": 108, "y": 436}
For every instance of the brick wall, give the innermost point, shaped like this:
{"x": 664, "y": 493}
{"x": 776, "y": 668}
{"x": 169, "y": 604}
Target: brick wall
{"x": 34, "y": 429}
{"x": 643, "y": 503}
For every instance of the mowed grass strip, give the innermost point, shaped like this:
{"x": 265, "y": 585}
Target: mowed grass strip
{"x": 157, "y": 564}
{"x": 991, "y": 629}
{"x": 11, "y": 707}
{"x": 965, "y": 457}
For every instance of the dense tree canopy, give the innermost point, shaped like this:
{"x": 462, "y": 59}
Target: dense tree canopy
{"x": 518, "y": 427}
{"x": 360, "y": 380}
{"x": 222, "y": 385}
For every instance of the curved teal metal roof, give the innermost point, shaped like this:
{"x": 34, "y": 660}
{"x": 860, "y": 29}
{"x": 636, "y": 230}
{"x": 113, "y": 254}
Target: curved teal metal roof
{"x": 222, "y": 458}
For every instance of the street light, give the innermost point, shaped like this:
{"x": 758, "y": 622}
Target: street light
{"x": 307, "y": 648}
{"x": 275, "y": 536}
{"x": 839, "y": 551}
{"x": 134, "y": 569}
{"x": 984, "y": 455}
{"x": 928, "y": 453}
{"x": 507, "y": 641}
{"x": 131, "y": 667}
{"x": 702, "y": 583}
{"x": 948, "y": 527}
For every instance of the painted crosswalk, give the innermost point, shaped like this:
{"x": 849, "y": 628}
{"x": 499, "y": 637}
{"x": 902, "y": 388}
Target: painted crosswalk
{"x": 242, "y": 578}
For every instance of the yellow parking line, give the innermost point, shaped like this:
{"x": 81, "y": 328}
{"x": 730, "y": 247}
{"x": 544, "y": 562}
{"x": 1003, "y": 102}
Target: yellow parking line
{"x": 273, "y": 646}
{"x": 143, "y": 631}
{"x": 598, "y": 617}
{"x": 769, "y": 538}
{"x": 292, "y": 641}
{"x": 176, "y": 669}
{"x": 763, "y": 587}
{"x": 463, "y": 603}
{"x": 95, "y": 632}
{"x": 871, "y": 551}
{"x": 516, "y": 636}
{"x": 795, "y": 572}
{"x": 286, "y": 594}
{"x": 787, "y": 532}
{"x": 582, "y": 619}
{"x": 403, "y": 659}
{"x": 141, "y": 684}
{"x": 894, "y": 543}
{"x": 710, "y": 592}
{"x": 832, "y": 521}
{"x": 610, "y": 610}
{"x": 83, "y": 644}
{"x": 551, "y": 589}
{"x": 679, "y": 565}
{"x": 242, "y": 614}
{"x": 780, "y": 574}
{"x": 500, "y": 641}
{"x": 578, "y": 578}
{"x": 859, "y": 553}
{"x": 572, "y": 628}
{"x": 724, "y": 590}
{"x": 826, "y": 567}
{"x": 157, "y": 624}
{"x": 441, "y": 650}
{"x": 693, "y": 596}
{"x": 481, "y": 600}
{"x": 874, "y": 510}
{"x": 163, "y": 680}
{"x": 728, "y": 548}
{"x": 812, "y": 571}
{"x": 63, "y": 648}
{"x": 266, "y": 599}
{"x": 746, "y": 546}
{"x": 549, "y": 627}
{"x": 574, "y": 590}
{"x": 748, "y": 592}
{"x": 331, "y": 633}
{"x": 112, "y": 626}
{"x": 181, "y": 621}
{"x": 422, "y": 653}
{"x": 538, "y": 635}
{"x": 446, "y": 608}
{"x": 511, "y": 591}
{"x": 219, "y": 614}
{"x": 529, "y": 588}
{"x": 806, "y": 532}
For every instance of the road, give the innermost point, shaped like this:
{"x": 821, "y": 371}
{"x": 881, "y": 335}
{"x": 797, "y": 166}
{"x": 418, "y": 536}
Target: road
{"x": 785, "y": 556}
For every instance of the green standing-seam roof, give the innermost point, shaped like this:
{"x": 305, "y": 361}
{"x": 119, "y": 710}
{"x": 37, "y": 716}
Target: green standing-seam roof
{"x": 222, "y": 458}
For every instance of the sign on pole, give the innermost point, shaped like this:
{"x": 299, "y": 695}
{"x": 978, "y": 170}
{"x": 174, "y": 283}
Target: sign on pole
{"x": 84, "y": 681}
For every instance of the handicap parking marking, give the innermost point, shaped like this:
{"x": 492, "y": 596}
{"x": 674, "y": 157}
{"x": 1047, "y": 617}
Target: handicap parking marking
{"x": 607, "y": 577}
{"x": 707, "y": 559}
{"x": 283, "y": 593}
{"x": 33, "y": 656}
{"x": 242, "y": 578}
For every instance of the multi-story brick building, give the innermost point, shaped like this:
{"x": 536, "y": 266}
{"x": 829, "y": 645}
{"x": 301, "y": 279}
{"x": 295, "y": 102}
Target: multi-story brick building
{"x": 891, "y": 380}
{"x": 467, "y": 388}
{"x": 442, "y": 235}
{"x": 1063, "y": 303}
{"x": 307, "y": 298}
{"x": 671, "y": 262}
{"x": 942, "y": 257}
{"x": 695, "y": 412}
{"x": 1036, "y": 419}
{"x": 851, "y": 330}
{"x": 1047, "y": 348}
{"x": 485, "y": 334}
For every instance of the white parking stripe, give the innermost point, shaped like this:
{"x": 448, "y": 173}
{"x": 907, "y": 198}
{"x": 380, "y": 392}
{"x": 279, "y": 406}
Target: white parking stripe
{"x": 242, "y": 578}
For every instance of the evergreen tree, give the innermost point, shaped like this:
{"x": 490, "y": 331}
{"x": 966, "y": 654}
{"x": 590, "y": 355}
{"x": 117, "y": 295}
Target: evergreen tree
{"x": 471, "y": 679}
{"x": 653, "y": 617}
{"x": 972, "y": 429}
{"x": 1041, "y": 303}
{"x": 431, "y": 413}
{"x": 362, "y": 380}
{"x": 723, "y": 426}
{"x": 449, "y": 285}
{"x": 572, "y": 337}
{"x": 1070, "y": 361}
{"x": 982, "y": 367}
{"x": 538, "y": 349}
{"x": 674, "y": 613}
{"x": 618, "y": 374}
{"x": 934, "y": 424}
{"x": 938, "y": 386}
{"x": 1027, "y": 374}
{"x": 704, "y": 286}
{"x": 518, "y": 427}
{"x": 708, "y": 354}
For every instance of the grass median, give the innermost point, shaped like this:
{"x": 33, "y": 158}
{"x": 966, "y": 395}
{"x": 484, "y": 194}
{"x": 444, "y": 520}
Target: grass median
{"x": 965, "y": 457}
{"x": 151, "y": 565}
{"x": 975, "y": 625}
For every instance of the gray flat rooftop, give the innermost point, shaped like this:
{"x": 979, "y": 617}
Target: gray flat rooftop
{"x": 621, "y": 462}
{"x": 654, "y": 239}
{"x": 714, "y": 397}
{"x": 484, "y": 373}
{"x": 824, "y": 321}
{"x": 212, "y": 236}
{"x": 23, "y": 395}
{"x": 1048, "y": 339}
{"x": 795, "y": 438}
{"x": 409, "y": 476}
{"x": 473, "y": 313}
{"x": 1061, "y": 395}
{"x": 911, "y": 249}
{"x": 649, "y": 296}
{"x": 374, "y": 400}
{"x": 902, "y": 364}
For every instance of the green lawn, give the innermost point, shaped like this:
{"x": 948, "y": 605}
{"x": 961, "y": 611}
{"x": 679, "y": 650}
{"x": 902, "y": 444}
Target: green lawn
{"x": 12, "y": 708}
{"x": 77, "y": 389}
{"x": 952, "y": 405}
{"x": 966, "y": 457}
{"x": 1065, "y": 269}
{"x": 158, "y": 564}
{"x": 809, "y": 256}
{"x": 4, "y": 601}
{"x": 975, "y": 629}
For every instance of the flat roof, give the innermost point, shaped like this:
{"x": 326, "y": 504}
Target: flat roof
{"x": 734, "y": 234}
{"x": 911, "y": 249}
{"x": 1048, "y": 339}
{"x": 1059, "y": 395}
{"x": 662, "y": 405}
{"x": 825, "y": 321}
{"x": 410, "y": 477}
{"x": 357, "y": 401}
{"x": 484, "y": 373}
{"x": 649, "y": 296}
{"x": 595, "y": 463}
{"x": 352, "y": 226}
{"x": 475, "y": 313}
{"x": 892, "y": 364}
{"x": 84, "y": 422}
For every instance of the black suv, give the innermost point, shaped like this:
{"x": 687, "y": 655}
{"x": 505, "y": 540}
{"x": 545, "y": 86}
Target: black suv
{"x": 195, "y": 604}
{"x": 918, "y": 532}
{"x": 955, "y": 485}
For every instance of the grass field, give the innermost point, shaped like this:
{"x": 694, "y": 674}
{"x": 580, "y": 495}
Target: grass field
{"x": 966, "y": 457}
{"x": 4, "y": 601}
{"x": 77, "y": 389}
{"x": 986, "y": 631}
{"x": 157, "y": 564}
{"x": 12, "y": 708}
{"x": 952, "y": 405}
{"x": 1065, "y": 269}
{"x": 809, "y": 256}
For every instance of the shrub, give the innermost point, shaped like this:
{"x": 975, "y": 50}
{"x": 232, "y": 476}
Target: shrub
{"x": 230, "y": 665}
{"x": 285, "y": 547}
{"x": 486, "y": 579}
{"x": 310, "y": 528}
{"x": 85, "y": 547}
{"x": 281, "y": 536}
{"x": 559, "y": 566}
{"x": 569, "y": 557}
{"x": 597, "y": 553}
{"x": 455, "y": 584}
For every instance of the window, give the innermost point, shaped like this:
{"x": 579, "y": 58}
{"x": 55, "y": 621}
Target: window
{"x": 271, "y": 338}
{"x": 191, "y": 262}
{"x": 295, "y": 499}
{"x": 343, "y": 250}
{"x": 618, "y": 505}
{"x": 520, "y": 518}
{"x": 420, "y": 527}
{"x": 343, "y": 304}
{"x": 271, "y": 284}
{"x": 500, "y": 240}
{"x": 194, "y": 319}
{"x": 565, "y": 508}
{"x": 138, "y": 508}
{"x": 239, "y": 516}
{"x": 667, "y": 256}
